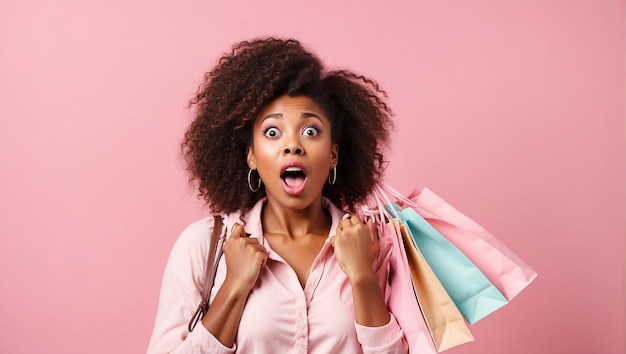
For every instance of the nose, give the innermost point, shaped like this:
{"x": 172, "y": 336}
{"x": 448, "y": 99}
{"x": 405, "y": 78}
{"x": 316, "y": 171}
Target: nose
{"x": 293, "y": 149}
{"x": 292, "y": 143}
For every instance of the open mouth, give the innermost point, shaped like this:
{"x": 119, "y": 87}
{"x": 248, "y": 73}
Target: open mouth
{"x": 293, "y": 177}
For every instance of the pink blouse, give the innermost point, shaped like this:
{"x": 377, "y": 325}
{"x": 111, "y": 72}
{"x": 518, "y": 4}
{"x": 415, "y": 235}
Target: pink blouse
{"x": 279, "y": 316}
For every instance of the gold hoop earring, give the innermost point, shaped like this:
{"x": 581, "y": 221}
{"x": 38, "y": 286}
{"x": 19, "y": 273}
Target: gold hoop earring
{"x": 332, "y": 181}
{"x": 254, "y": 190}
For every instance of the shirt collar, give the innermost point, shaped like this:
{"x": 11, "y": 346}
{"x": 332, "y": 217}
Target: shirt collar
{"x": 252, "y": 218}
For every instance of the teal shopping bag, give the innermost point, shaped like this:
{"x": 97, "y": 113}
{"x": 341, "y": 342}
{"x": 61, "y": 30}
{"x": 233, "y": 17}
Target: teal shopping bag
{"x": 471, "y": 291}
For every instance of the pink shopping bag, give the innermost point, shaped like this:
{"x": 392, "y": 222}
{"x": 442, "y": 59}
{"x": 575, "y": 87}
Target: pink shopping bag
{"x": 402, "y": 301}
{"x": 505, "y": 270}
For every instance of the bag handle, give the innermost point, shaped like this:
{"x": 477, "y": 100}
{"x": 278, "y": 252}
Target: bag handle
{"x": 385, "y": 189}
{"x": 213, "y": 258}
{"x": 383, "y": 200}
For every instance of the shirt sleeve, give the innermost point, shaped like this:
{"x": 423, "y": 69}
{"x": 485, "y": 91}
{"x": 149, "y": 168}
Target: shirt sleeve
{"x": 180, "y": 295}
{"x": 382, "y": 340}
{"x": 390, "y": 337}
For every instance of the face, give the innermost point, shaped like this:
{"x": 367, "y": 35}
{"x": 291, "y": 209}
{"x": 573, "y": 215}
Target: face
{"x": 292, "y": 151}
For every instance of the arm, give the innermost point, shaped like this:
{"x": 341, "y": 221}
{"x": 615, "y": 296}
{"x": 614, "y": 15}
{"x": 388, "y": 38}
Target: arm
{"x": 369, "y": 305}
{"x": 181, "y": 293}
{"x": 244, "y": 259}
{"x": 181, "y": 289}
{"x": 356, "y": 248}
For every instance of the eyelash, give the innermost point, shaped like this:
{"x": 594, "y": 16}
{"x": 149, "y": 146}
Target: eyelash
{"x": 313, "y": 126}
{"x": 268, "y": 129}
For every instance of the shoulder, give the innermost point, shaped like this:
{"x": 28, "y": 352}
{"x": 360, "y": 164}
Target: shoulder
{"x": 187, "y": 259}
{"x": 197, "y": 232}
{"x": 193, "y": 241}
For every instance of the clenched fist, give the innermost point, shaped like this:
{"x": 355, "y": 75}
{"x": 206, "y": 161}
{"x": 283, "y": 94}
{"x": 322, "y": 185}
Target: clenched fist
{"x": 244, "y": 259}
{"x": 356, "y": 246}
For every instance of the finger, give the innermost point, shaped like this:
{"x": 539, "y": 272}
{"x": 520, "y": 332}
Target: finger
{"x": 238, "y": 231}
{"x": 373, "y": 232}
{"x": 249, "y": 240}
{"x": 261, "y": 255}
{"x": 356, "y": 219}
{"x": 259, "y": 247}
{"x": 345, "y": 223}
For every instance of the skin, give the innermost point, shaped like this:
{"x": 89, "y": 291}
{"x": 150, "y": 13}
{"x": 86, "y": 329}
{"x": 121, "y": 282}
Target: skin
{"x": 296, "y": 226}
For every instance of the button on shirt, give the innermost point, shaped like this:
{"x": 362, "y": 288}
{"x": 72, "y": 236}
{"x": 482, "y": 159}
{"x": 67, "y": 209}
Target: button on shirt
{"x": 279, "y": 316}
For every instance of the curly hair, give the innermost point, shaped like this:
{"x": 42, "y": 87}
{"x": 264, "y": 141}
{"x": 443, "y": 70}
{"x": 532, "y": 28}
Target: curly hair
{"x": 249, "y": 78}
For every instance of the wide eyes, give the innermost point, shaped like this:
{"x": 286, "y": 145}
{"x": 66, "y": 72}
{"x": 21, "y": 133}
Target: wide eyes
{"x": 308, "y": 131}
{"x": 271, "y": 132}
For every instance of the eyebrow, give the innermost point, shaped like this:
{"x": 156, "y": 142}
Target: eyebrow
{"x": 304, "y": 115}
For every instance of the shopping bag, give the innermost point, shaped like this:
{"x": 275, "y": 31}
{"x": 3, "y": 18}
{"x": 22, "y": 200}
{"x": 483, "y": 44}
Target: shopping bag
{"x": 504, "y": 269}
{"x": 509, "y": 273}
{"x": 402, "y": 301}
{"x": 468, "y": 287}
{"x": 445, "y": 322}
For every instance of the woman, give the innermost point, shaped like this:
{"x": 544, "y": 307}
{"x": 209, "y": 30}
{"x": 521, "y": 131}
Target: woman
{"x": 280, "y": 147}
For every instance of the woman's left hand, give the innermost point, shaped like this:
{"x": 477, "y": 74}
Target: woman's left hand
{"x": 356, "y": 247}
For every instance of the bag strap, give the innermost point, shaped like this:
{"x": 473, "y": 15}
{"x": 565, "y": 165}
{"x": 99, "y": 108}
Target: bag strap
{"x": 213, "y": 257}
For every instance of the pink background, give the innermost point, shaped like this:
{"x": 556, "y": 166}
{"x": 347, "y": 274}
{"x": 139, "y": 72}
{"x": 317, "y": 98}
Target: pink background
{"x": 512, "y": 111}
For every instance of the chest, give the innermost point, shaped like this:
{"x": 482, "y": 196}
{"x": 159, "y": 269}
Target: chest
{"x": 316, "y": 318}
{"x": 298, "y": 254}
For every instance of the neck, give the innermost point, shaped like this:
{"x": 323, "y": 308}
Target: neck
{"x": 278, "y": 219}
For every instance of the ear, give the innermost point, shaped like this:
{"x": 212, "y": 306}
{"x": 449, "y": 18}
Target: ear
{"x": 250, "y": 157}
{"x": 334, "y": 155}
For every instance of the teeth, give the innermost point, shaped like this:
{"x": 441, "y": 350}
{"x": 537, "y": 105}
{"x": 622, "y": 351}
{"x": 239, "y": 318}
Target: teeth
{"x": 293, "y": 169}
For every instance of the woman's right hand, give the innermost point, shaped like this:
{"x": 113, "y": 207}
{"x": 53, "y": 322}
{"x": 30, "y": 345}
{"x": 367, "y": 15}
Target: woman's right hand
{"x": 244, "y": 259}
